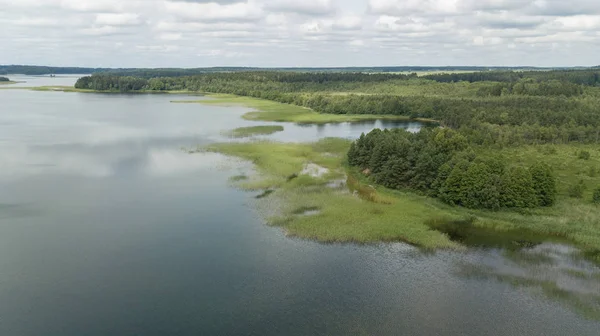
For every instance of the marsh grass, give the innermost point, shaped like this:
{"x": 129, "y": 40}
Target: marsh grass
{"x": 266, "y": 110}
{"x": 306, "y": 210}
{"x": 370, "y": 213}
{"x": 238, "y": 178}
{"x": 265, "y": 193}
{"x": 245, "y": 132}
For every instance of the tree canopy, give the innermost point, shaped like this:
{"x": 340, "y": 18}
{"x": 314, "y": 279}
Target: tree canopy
{"x": 440, "y": 163}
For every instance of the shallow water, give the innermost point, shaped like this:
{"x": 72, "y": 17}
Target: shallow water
{"x": 108, "y": 228}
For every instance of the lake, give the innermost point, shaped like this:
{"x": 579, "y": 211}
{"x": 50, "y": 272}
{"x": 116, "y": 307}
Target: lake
{"x": 107, "y": 227}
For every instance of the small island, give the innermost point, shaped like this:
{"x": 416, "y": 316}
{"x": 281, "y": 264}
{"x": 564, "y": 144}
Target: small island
{"x": 246, "y": 132}
{"x": 5, "y": 80}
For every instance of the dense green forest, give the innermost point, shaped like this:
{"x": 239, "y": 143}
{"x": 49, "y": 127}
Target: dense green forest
{"x": 440, "y": 163}
{"x": 585, "y": 77}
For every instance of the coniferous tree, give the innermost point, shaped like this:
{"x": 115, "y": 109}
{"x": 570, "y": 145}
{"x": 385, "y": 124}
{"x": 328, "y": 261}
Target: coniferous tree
{"x": 544, "y": 184}
{"x": 517, "y": 189}
{"x": 596, "y": 196}
{"x": 479, "y": 188}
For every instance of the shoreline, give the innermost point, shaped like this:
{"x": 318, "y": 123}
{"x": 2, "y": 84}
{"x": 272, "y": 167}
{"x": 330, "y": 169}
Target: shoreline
{"x": 344, "y": 208}
{"x": 266, "y": 110}
{"x": 372, "y": 213}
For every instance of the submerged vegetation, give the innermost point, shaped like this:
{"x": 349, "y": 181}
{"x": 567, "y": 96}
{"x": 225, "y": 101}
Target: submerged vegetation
{"x": 5, "y": 80}
{"x": 245, "y": 132}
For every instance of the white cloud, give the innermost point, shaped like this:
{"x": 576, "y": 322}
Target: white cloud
{"x": 580, "y": 22}
{"x": 414, "y": 25}
{"x": 223, "y": 53}
{"x": 212, "y": 11}
{"x": 191, "y": 33}
{"x": 103, "y": 30}
{"x": 157, "y": 48}
{"x": 482, "y": 40}
{"x": 37, "y": 22}
{"x": 408, "y": 7}
{"x": 120, "y": 19}
{"x": 93, "y": 5}
{"x": 170, "y": 36}
{"x": 171, "y": 26}
{"x": 351, "y": 22}
{"x": 306, "y": 7}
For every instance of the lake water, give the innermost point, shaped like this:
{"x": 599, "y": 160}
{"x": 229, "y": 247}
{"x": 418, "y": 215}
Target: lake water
{"x": 108, "y": 228}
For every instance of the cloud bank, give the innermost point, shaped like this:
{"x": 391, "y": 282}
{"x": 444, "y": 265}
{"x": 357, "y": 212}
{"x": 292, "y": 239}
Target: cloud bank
{"x": 198, "y": 33}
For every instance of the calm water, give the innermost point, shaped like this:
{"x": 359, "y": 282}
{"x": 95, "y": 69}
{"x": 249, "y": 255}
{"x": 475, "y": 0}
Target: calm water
{"x": 108, "y": 228}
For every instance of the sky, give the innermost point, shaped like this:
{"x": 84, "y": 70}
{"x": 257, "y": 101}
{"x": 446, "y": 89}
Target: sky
{"x": 299, "y": 33}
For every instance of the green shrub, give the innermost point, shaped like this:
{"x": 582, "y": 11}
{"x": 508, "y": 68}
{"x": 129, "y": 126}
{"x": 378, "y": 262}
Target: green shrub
{"x": 584, "y": 155}
{"x": 450, "y": 190}
{"x": 548, "y": 150}
{"x": 479, "y": 188}
{"x": 518, "y": 190}
{"x": 577, "y": 190}
{"x": 596, "y": 197}
{"x": 544, "y": 183}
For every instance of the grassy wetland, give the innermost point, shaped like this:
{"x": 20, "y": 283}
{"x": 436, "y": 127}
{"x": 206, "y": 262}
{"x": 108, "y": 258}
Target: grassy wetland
{"x": 246, "y": 132}
{"x": 348, "y": 208}
{"x": 265, "y": 110}
{"x": 336, "y": 213}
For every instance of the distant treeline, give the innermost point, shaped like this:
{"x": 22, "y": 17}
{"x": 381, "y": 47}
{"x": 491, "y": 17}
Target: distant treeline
{"x": 4, "y": 79}
{"x": 266, "y": 80}
{"x": 175, "y": 72}
{"x": 44, "y": 70}
{"x": 180, "y": 72}
{"x": 585, "y": 77}
{"x": 440, "y": 164}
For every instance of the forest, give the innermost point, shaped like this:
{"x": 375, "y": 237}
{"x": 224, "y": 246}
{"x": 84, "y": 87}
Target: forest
{"x": 584, "y": 77}
{"x": 4, "y": 79}
{"x": 440, "y": 163}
